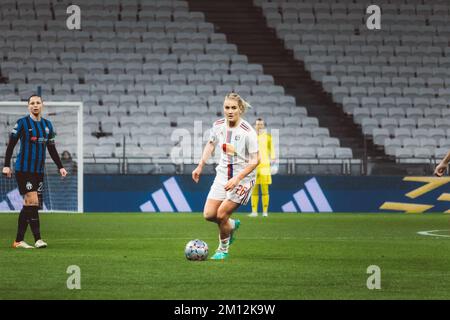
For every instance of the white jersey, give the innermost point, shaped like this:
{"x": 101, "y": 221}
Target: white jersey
{"x": 236, "y": 145}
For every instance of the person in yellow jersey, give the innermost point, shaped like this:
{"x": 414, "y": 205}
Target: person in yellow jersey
{"x": 263, "y": 171}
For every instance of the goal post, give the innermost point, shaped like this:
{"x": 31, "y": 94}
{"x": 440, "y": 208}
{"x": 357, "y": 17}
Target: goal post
{"x": 59, "y": 195}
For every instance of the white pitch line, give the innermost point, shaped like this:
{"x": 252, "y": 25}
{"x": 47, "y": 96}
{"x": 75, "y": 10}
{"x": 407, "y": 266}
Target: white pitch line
{"x": 343, "y": 239}
{"x": 158, "y": 238}
{"x": 431, "y": 233}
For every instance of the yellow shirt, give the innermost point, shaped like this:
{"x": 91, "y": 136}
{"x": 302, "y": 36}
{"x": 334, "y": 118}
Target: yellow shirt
{"x": 266, "y": 151}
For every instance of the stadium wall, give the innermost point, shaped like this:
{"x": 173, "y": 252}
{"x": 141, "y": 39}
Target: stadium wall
{"x": 154, "y": 193}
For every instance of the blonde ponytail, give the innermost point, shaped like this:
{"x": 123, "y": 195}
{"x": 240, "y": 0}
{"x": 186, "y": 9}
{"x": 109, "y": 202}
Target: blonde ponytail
{"x": 243, "y": 105}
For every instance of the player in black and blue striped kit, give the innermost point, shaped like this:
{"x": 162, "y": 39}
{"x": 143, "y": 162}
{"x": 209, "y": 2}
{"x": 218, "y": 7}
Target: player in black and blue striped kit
{"x": 35, "y": 134}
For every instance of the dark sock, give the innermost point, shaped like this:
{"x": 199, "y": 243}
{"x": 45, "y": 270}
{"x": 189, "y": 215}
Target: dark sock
{"x": 22, "y": 225}
{"x": 33, "y": 220}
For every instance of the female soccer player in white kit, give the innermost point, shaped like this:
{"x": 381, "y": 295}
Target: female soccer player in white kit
{"x": 235, "y": 173}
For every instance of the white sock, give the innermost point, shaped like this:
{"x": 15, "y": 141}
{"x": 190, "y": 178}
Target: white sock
{"x": 232, "y": 222}
{"x": 224, "y": 244}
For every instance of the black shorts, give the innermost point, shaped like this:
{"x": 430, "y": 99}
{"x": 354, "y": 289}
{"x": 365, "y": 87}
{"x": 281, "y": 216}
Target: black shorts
{"x": 29, "y": 182}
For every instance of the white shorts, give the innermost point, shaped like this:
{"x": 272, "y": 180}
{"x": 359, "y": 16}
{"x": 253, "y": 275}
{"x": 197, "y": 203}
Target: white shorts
{"x": 240, "y": 194}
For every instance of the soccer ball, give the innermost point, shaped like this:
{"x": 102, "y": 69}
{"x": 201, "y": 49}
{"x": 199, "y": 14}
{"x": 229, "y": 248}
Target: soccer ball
{"x": 196, "y": 250}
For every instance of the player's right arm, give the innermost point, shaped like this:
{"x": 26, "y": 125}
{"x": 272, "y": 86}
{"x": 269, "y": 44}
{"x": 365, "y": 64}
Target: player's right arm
{"x": 442, "y": 166}
{"x": 207, "y": 152}
{"x": 13, "y": 138}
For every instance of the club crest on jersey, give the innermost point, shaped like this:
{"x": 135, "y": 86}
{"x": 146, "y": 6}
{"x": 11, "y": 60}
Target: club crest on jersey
{"x": 237, "y": 138}
{"x": 29, "y": 186}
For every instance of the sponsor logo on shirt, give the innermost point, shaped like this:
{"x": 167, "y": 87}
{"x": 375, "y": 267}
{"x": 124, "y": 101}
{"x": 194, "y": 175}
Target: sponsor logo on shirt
{"x": 38, "y": 140}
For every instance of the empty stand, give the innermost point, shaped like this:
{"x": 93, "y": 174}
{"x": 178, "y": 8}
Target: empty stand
{"x": 142, "y": 70}
{"x": 394, "y": 82}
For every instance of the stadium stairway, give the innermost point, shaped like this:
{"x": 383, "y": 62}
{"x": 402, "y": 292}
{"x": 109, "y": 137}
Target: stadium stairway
{"x": 259, "y": 42}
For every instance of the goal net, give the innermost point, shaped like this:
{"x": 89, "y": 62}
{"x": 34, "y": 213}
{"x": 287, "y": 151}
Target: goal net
{"x": 60, "y": 194}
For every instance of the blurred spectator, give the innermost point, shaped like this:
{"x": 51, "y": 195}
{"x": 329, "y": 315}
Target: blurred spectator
{"x": 68, "y": 162}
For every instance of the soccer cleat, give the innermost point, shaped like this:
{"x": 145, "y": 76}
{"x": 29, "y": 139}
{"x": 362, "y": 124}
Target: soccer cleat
{"x": 22, "y": 244}
{"x": 265, "y": 214}
{"x": 219, "y": 255}
{"x": 253, "y": 214}
{"x": 40, "y": 244}
{"x": 237, "y": 224}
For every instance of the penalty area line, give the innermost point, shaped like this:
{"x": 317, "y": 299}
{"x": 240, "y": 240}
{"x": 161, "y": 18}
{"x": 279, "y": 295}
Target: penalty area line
{"x": 432, "y": 233}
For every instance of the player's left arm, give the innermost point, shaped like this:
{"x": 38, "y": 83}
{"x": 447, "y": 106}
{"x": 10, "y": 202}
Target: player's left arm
{"x": 254, "y": 160}
{"x": 442, "y": 166}
{"x": 272, "y": 150}
{"x": 51, "y": 147}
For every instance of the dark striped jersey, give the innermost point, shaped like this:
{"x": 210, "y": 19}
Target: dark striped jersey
{"x": 34, "y": 138}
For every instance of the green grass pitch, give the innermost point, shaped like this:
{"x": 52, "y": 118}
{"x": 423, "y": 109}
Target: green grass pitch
{"x": 285, "y": 256}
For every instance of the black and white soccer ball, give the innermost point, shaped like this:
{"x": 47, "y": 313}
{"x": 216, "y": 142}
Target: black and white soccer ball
{"x": 196, "y": 250}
